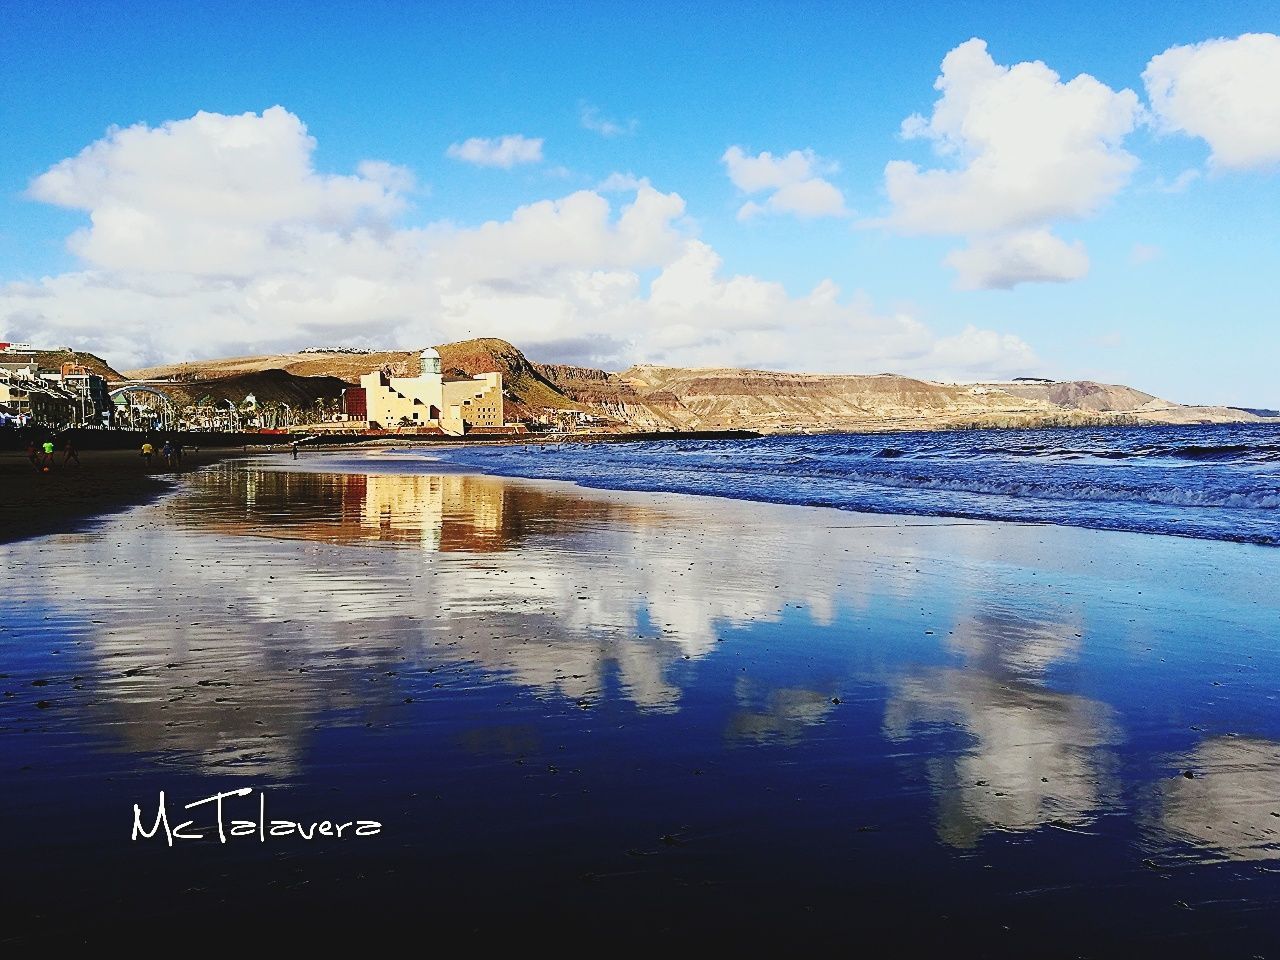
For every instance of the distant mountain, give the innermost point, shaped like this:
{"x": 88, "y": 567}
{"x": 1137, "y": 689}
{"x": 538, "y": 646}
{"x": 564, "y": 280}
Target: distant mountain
{"x": 1118, "y": 399}
{"x": 651, "y": 397}
{"x": 1265, "y": 414}
{"x": 1083, "y": 395}
{"x": 671, "y": 397}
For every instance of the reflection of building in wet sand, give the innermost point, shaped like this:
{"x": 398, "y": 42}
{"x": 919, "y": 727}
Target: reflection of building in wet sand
{"x": 1036, "y": 754}
{"x": 448, "y": 512}
{"x": 1231, "y": 803}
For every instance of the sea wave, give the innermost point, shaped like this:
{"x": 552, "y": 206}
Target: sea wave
{"x": 1214, "y": 482}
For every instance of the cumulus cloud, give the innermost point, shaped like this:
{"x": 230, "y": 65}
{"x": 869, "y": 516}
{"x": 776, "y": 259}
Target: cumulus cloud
{"x": 593, "y": 120}
{"x": 1227, "y": 92}
{"x": 1020, "y": 149}
{"x": 794, "y": 182}
{"x": 216, "y": 235}
{"x": 622, "y": 183}
{"x": 211, "y": 195}
{"x": 505, "y": 152}
{"x": 1027, "y": 148}
{"x": 395, "y": 178}
{"x": 1002, "y": 261}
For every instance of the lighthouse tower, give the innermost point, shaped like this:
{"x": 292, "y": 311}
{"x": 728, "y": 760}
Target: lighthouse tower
{"x": 430, "y": 363}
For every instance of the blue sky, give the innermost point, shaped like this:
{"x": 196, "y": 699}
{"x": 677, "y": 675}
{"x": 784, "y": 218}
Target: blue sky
{"x": 1157, "y": 269}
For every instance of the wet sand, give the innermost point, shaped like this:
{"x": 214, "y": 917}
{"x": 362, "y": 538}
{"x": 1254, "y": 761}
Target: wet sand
{"x": 72, "y": 495}
{"x": 583, "y": 715}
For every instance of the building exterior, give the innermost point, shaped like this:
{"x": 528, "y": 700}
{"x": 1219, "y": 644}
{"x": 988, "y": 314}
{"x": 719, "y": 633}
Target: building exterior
{"x": 429, "y": 400}
{"x": 353, "y": 404}
{"x": 93, "y": 396}
{"x": 33, "y": 399}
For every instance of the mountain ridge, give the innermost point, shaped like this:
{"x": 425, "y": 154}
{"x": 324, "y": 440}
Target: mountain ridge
{"x": 657, "y": 397}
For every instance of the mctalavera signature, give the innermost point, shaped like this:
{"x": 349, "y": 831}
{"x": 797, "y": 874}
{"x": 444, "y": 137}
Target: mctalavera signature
{"x": 259, "y": 827}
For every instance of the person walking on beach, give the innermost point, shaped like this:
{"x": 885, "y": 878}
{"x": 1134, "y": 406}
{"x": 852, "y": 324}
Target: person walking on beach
{"x": 47, "y": 458}
{"x": 33, "y": 454}
{"x": 70, "y": 453}
{"x": 147, "y": 451}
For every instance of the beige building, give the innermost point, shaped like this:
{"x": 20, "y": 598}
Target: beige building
{"x": 32, "y": 398}
{"x": 429, "y": 400}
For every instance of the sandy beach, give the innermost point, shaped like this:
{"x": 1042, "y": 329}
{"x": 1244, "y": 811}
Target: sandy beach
{"x": 590, "y": 711}
{"x": 73, "y": 494}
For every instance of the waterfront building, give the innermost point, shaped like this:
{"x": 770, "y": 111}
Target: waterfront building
{"x": 429, "y": 400}
{"x": 35, "y": 400}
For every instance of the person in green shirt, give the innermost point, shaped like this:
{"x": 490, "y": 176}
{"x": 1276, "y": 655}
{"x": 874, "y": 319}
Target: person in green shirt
{"x": 47, "y": 449}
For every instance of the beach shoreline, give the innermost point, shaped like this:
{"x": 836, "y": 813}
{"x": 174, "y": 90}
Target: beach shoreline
{"x": 70, "y": 496}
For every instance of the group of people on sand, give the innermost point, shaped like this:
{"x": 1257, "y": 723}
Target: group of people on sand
{"x": 41, "y": 453}
{"x": 170, "y": 452}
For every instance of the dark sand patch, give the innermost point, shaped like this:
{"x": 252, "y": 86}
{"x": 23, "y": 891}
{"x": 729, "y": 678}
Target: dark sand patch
{"x": 69, "y": 496}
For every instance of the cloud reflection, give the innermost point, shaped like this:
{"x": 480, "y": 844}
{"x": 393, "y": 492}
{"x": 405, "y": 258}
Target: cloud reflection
{"x": 780, "y": 715}
{"x": 1231, "y": 804}
{"x": 224, "y": 621}
{"x": 1035, "y": 755}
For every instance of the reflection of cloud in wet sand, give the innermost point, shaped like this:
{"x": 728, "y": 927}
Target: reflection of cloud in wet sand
{"x": 1036, "y": 754}
{"x": 226, "y": 648}
{"x": 781, "y": 715}
{"x": 1231, "y": 805}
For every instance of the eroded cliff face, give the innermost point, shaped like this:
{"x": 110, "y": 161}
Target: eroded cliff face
{"x": 768, "y": 400}
{"x": 1087, "y": 395}
{"x": 650, "y": 397}
{"x": 655, "y": 397}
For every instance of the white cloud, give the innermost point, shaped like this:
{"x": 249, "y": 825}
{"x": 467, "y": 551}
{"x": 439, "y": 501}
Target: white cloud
{"x": 505, "y": 152}
{"x": 210, "y": 195}
{"x": 767, "y": 172}
{"x": 593, "y": 120}
{"x": 622, "y": 183}
{"x": 1029, "y": 256}
{"x": 1027, "y": 147}
{"x": 247, "y": 250}
{"x": 1226, "y": 92}
{"x": 794, "y": 181}
{"x": 395, "y": 178}
{"x": 1021, "y": 150}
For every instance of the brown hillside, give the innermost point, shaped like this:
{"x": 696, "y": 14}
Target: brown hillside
{"x": 770, "y": 400}
{"x": 1085, "y": 395}
{"x": 54, "y": 359}
{"x": 527, "y": 391}
{"x": 665, "y": 398}
{"x": 1103, "y": 398}
{"x": 273, "y": 386}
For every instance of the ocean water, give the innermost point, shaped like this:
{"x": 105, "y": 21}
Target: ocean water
{"x": 1213, "y": 482}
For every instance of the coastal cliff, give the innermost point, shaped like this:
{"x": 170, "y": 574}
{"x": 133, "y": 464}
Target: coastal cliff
{"x": 650, "y": 397}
